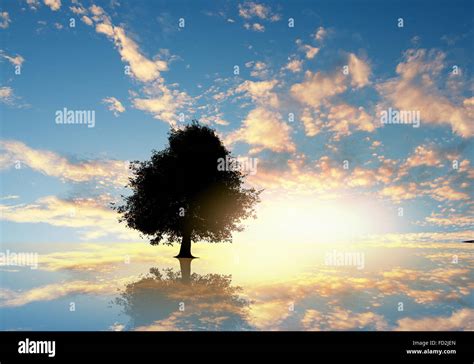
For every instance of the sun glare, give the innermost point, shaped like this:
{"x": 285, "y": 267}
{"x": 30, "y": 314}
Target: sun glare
{"x": 306, "y": 221}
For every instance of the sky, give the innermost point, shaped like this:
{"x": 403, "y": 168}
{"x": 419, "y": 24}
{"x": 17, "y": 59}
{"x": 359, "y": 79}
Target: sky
{"x": 299, "y": 87}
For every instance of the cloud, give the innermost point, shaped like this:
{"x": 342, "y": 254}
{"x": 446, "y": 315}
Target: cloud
{"x": 257, "y": 27}
{"x": 116, "y": 326}
{"x": 294, "y": 65}
{"x": 162, "y": 102}
{"x": 339, "y": 318}
{"x": 16, "y": 61}
{"x": 4, "y": 20}
{"x": 103, "y": 258}
{"x": 9, "y": 197}
{"x": 446, "y": 192}
{"x": 423, "y": 155}
{"x": 460, "y": 320}
{"x": 464, "y": 167}
{"x": 250, "y": 9}
{"x": 342, "y": 118}
{"x": 264, "y": 129}
{"x": 142, "y": 68}
{"x": 318, "y": 87}
{"x": 363, "y": 177}
{"x": 213, "y": 119}
{"x": 316, "y": 91}
{"x": 268, "y": 315}
{"x": 6, "y": 95}
{"x": 158, "y": 99}
{"x": 114, "y": 105}
{"x": 87, "y": 20}
{"x": 54, "y": 5}
{"x": 52, "y": 164}
{"x": 375, "y": 144}
{"x": 261, "y": 92}
{"x": 320, "y": 177}
{"x": 53, "y": 291}
{"x": 33, "y": 4}
{"x": 440, "y": 189}
{"x": 451, "y": 220}
{"x": 400, "y": 192}
{"x": 270, "y": 302}
{"x": 428, "y": 240}
{"x": 320, "y": 34}
{"x": 323, "y": 176}
{"x": 91, "y": 217}
{"x": 309, "y": 51}
{"x": 415, "y": 89}
{"x": 259, "y": 69}
{"x": 359, "y": 71}
{"x": 161, "y": 107}
{"x": 78, "y": 10}
{"x": 313, "y": 125}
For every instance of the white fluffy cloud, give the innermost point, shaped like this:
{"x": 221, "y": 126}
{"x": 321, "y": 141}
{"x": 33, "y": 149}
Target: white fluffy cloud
{"x": 162, "y": 102}
{"x": 91, "y": 217}
{"x": 261, "y": 12}
{"x": 294, "y": 65}
{"x": 250, "y": 9}
{"x": 359, "y": 71}
{"x": 261, "y": 92}
{"x": 342, "y": 118}
{"x": 158, "y": 99}
{"x": 415, "y": 89}
{"x": 318, "y": 87}
{"x": 460, "y": 320}
{"x": 264, "y": 129}
{"x": 55, "y": 165}
{"x": 141, "y": 67}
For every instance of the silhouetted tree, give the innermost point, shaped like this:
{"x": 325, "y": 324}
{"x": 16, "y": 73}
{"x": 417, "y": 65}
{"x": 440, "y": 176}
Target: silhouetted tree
{"x": 209, "y": 302}
{"x": 181, "y": 195}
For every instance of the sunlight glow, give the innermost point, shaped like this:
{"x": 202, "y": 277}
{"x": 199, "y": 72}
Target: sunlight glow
{"x": 309, "y": 221}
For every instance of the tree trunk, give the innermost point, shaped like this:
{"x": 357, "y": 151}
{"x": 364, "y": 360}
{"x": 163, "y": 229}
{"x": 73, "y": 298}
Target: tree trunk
{"x": 185, "y": 250}
{"x": 185, "y": 265}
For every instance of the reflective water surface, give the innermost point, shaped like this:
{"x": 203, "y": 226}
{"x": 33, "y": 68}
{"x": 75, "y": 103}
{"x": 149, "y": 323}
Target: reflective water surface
{"x": 370, "y": 285}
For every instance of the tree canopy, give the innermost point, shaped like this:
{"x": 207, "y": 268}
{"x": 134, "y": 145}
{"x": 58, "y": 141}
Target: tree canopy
{"x": 180, "y": 194}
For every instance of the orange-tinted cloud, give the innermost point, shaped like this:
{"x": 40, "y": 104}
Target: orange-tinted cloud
{"x": 264, "y": 129}
{"x": 55, "y": 165}
{"x": 460, "y": 320}
{"x": 415, "y": 89}
{"x": 92, "y": 217}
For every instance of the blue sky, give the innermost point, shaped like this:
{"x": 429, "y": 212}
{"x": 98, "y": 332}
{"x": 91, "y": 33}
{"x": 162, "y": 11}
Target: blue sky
{"x": 335, "y": 178}
{"x": 282, "y": 70}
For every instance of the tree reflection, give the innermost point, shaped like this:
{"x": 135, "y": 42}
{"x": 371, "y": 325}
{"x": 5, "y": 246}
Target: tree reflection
{"x": 169, "y": 300}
